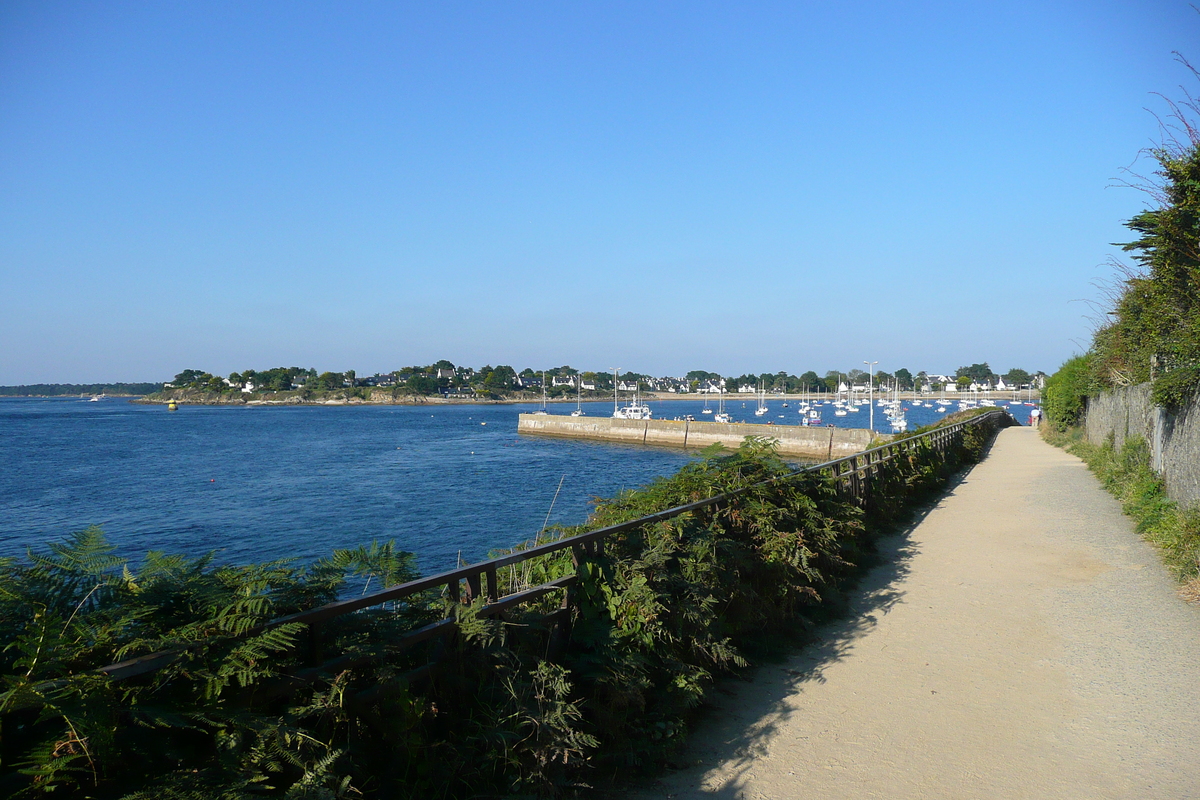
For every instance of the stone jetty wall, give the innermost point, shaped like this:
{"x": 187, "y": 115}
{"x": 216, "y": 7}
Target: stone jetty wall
{"x": 794, "y": 440}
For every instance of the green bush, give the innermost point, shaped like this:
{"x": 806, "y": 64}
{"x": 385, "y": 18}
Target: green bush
{"x": 1064, "y": 398}
{"x": 1175, "y": 389}
{"x": 1154, "y": 327}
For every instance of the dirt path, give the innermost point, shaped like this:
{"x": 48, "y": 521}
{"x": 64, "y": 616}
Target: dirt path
{"x": 1023, "y": 643}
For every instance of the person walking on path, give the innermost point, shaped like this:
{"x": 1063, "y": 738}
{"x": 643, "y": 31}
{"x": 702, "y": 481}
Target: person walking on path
{"x": 1035, "y": 417}
{"x": 1020, "y": 641}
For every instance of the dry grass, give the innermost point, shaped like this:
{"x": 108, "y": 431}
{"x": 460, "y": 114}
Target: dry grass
{"x": 1190, "y": 591}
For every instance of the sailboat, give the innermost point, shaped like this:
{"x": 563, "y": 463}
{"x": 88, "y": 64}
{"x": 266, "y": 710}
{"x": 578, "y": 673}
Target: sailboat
{"x": 578, "y": 412}
{"x": 762, "y": 401}
{"x": 895, "y": 412}
{"x": 721, "y": 416}
{"x": 543, "y": 410}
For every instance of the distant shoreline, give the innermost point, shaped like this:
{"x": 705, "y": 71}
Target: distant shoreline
{"x": 422, "y": 400}
{"x": 76, "y": 396}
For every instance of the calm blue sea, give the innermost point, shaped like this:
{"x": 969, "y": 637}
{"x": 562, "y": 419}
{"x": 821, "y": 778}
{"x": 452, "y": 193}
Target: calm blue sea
{"x": 256, "y": 483}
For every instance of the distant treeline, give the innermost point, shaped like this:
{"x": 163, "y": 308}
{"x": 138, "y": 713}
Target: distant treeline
{"x": 65, "y": 389}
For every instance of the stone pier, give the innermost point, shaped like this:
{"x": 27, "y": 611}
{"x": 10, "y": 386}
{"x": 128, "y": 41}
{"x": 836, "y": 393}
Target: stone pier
{"x": 793, "y": 440}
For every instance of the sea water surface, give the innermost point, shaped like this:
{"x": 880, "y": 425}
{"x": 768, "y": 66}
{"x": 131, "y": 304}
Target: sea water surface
{"x": 257, "y": 483}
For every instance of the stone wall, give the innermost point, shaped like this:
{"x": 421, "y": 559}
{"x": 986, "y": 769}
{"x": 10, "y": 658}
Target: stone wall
{"x": 794, "y": 440}
{"x": 1174, "y": 439}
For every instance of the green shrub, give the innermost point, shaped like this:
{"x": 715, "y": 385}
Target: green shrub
{"x": 1154, "y": 326}
{"x": 1064, "y": 398}
{"x": 1175, "y": 389}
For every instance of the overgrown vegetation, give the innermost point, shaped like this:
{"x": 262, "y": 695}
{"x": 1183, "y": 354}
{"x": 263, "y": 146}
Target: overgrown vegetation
{"x": 1065, "y": 397}
{"x": 949, "y": 419}
{"x": 511, "y": 708}
{"x": 1153, "y": 330}
{"x": 1126, "y": 473}
{"x": 1175, "y": 389}
{"x": 194, "y": 728}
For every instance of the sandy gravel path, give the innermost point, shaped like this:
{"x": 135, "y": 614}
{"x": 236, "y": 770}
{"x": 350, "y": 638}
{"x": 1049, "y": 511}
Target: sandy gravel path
{"x": 1023, "y": 643}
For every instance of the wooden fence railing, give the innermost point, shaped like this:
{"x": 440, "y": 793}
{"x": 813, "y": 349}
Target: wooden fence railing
{"x": 853, "y": 476}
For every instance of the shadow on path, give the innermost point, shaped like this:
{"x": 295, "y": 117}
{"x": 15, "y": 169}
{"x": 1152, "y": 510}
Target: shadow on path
{"x": 742, "y": 714}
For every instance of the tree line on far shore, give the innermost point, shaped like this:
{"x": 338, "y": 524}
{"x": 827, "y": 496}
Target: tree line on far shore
{"x": 445, "y": 378}
{"x": 71, "y": 389}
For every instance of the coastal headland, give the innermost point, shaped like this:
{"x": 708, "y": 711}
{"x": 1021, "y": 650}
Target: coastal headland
{"x": 791, "y": 440}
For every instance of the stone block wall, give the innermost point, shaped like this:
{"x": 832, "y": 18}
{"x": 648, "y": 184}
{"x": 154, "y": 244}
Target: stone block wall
{"x": 1174, "y": 439}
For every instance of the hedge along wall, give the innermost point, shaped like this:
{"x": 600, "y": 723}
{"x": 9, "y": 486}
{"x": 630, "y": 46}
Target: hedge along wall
{"x": 1173, "y": 437}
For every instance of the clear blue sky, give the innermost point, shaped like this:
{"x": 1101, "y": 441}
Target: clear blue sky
{"x": 653, "y": 186}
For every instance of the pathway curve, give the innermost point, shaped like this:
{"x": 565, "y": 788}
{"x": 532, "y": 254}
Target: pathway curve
{"x": 1023, "y": 642}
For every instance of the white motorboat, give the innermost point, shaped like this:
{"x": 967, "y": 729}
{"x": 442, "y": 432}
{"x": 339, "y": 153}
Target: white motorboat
{"x": 633, "y": 410}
